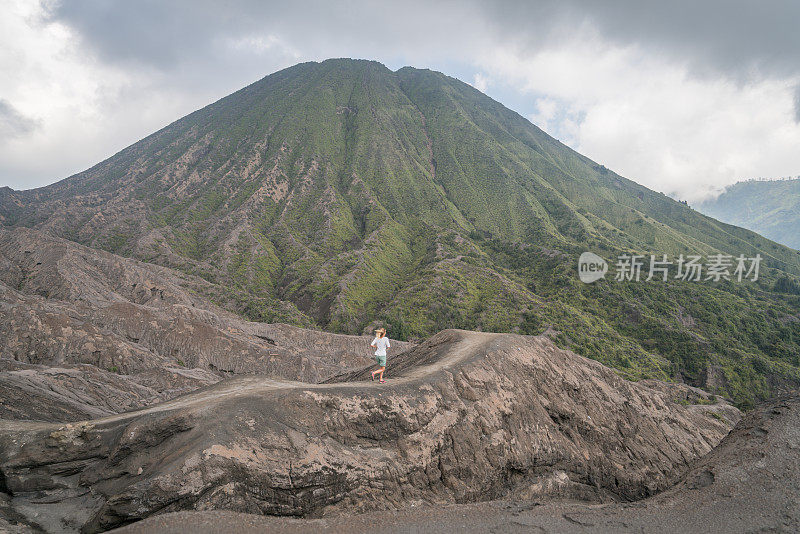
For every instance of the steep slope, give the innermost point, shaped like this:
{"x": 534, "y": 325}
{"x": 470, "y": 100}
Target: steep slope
{"x": 771, "y": 208}
{"x": 86, "y": 333}
{"x": 747, "y": 483}
{"x": 341, "y": 194}
{"x": 469, "y": 417}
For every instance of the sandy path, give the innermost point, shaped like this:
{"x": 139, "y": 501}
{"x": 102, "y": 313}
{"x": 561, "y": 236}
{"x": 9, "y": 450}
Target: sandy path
{"x": 468, "y": 344}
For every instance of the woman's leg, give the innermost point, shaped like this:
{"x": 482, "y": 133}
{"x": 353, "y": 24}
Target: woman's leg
{"x": 380, "y": 371}
{"x": 379, "y": 362}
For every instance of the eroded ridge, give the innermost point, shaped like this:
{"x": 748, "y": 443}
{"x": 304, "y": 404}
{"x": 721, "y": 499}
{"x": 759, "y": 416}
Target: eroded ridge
{"x": 465, "y": 417}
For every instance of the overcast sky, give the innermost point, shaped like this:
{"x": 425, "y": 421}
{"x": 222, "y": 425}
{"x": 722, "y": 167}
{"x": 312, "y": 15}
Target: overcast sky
{"x": 684, "y": 97}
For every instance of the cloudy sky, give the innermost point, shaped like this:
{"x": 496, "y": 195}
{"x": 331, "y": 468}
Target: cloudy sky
{"x": 684, "y": 97}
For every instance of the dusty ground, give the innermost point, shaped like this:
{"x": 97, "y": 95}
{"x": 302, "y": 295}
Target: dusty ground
{"x": 465, "y": 417}
{"x": 749, "y": 483}
{"x": 85, "y": 333}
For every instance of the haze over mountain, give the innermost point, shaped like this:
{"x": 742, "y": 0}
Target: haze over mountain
{"x": 769, "y": 207}
{"x": 342, "y": 194}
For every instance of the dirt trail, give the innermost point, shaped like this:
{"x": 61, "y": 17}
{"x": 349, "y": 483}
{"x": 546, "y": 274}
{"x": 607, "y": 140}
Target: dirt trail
{"x": 467, "y": 346}
{"x": 535, "y": 422}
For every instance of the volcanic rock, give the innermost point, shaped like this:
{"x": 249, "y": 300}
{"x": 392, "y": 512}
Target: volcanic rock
{"x": 464, "y": 417}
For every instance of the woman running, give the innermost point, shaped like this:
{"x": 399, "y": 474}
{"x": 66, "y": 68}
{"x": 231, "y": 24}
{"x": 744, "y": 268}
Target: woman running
{"x": 381, "y": 343}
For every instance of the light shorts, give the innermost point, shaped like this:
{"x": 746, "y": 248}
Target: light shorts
{"x": 381, "y": 360}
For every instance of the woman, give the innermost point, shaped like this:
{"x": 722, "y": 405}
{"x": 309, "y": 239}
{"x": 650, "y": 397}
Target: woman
{"x": 381, "y": 343}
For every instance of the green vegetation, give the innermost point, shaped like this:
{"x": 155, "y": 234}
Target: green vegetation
{"x": 338, "y": 194}
{"x": 769, "y": 207}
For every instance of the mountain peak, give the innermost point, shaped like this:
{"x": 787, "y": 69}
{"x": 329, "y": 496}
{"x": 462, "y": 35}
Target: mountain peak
{"x": 342, "y": 194}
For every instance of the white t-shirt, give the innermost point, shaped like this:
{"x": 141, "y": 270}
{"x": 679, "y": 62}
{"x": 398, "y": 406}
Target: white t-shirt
{"x": 382, "y": 343}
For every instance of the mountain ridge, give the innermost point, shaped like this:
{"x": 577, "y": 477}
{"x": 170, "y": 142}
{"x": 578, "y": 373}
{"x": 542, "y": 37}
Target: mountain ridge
{"x": 344, "y": 195}
{"x": 768, "y": 207}
{"x": 87, "y": 333}
{"x": 297, "y": 449}
{"x": 745, "y": 483}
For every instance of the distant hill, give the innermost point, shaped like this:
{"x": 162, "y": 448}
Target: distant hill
{"x": 771, "y": 208}
{"x": 341, "y": 195}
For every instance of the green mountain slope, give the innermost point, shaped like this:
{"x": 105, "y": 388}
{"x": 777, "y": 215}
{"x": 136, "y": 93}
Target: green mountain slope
{"x": 341, "y": 194}
{"x": 771, "y": 208}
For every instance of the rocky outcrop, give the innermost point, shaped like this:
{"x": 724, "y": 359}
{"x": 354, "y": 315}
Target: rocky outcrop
{"x": 72, "y": 392}
{"x": 86, "y": 333}
{"x": 748, "y": 483}
{"x": 464, "y": 417}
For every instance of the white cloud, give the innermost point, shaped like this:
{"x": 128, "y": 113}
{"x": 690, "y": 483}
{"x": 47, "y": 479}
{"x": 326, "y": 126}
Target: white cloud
{"x": 480, "y": 82}
{"x": 84, "y": 109}
{"x": 47, "y": 78}
{"x": 648, "y": 119}
{"x": 559, "y": 118}
{"x": 78, "y": 90}
{"x": 261, "y": 44}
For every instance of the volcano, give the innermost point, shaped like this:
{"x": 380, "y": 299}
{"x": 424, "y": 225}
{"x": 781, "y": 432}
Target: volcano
{"x": 341, "y": 195}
